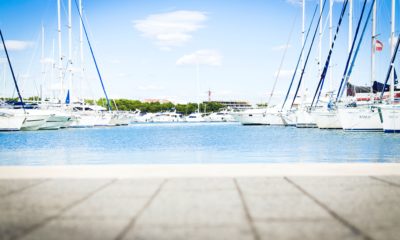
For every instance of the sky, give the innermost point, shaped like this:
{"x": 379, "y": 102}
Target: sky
{"x": 179, "y": 50}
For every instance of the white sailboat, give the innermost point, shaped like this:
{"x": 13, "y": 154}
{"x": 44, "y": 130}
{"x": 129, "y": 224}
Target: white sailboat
{"x": 10, "y": 120}
{"x": 390, "y": 118}
{"x": 57, "y": 119}
{"x": 167, "y": 117}
{"x": 327, "y": 119}
{"x": 221, "y": 116}
{"x": 360, "y": 118}
{"x": 195, "y": 117}
{"x": 361, "y": 115}
{"x": 35, "y": 119}
{"x": 255, "y": 116}
{"x": 390, "y": 113}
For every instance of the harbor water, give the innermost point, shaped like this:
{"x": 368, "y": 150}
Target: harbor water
{"x": 194, "y": 143}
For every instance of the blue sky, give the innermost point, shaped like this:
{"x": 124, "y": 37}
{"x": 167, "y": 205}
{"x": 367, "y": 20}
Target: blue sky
{"x": 149, "y": 49}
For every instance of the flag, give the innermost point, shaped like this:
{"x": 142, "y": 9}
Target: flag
{"x": 67, "y": 101}
{"x": 378, "y": 45}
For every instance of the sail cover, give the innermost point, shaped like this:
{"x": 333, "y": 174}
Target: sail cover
{"x": 353, "y": 89}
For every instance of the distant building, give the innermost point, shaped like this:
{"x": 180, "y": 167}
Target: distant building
{"x": 151, "y": 100}
{"x": 237, "y": 105}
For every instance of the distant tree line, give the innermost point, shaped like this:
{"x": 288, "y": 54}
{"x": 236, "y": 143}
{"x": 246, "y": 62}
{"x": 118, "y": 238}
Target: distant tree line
{"x": 132, "y": 105}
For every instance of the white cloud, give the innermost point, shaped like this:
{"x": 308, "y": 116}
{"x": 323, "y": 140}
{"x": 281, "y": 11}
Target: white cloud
{"x": 281, "y": 47}
{"x": 202, "y": 57}
{"x": 16, "y": 45}
{"x": 294, "y": 2}
{"x": 171, "y": 29}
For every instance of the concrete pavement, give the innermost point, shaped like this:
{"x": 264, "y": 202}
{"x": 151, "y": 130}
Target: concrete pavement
{"x": 269, "y": 207}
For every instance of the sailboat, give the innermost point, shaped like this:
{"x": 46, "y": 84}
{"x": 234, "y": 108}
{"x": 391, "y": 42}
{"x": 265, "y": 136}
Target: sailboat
{"x": 326, "y": 117}
{"x": 19, "y": 119}
{"x": 291, "y": 116}
{"x": 90, "y": 115}
{"x": 359, "y": 116}
{"x": 304, "y": 118}
{"x": 254, "y": 116}
{"x": 10, "y": 120}
{"x": 390, "y": 112}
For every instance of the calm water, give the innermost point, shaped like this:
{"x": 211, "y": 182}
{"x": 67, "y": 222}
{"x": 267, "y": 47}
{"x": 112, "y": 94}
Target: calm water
{"x": 195, "y": 143}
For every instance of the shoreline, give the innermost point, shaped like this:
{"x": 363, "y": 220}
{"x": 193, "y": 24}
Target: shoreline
{"x": 199, "y": 170}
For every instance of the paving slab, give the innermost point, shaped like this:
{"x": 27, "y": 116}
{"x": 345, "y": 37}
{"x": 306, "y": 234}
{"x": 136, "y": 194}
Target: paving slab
{"x": 76, "y": 229}
{"x": 390, "y": 179}
{"x": 149, "y": 232}
{"x": 367, "y": 204}
{"x": 10, "y": 186}
{"x": 195, "y": 208}
{"x": 305, "y": 229}
{"x": 26, "y": 210}
{"x": 271, "y": 186}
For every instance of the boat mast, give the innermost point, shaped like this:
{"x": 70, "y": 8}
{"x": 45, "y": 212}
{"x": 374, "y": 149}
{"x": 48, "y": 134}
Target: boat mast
{"x": 330, "y": 40}
{"x": 43, "y": 66}
{"x": 320, "y": 39}
{"x": 197, "y": 86}
{"x": 81, "y": 46}
{"x": 350, "y": 25}
{"x": 373, "y": 45}
{"x": 12, "y": 71}
{"x": 52, "y": 67}
{"x": 4, "y": 78}
{"x": 392, "y": 43}
{"x": 303, "y": 29}
{"x": 60, "y": 57}
{"x": 69, "y": 45}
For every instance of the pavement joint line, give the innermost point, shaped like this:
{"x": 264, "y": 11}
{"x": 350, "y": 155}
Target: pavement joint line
{"x": 253, "y": 228}
{"x": 133, "y": 221}
{"x": 24, "y": 188}
{"x": 336, "y": 216}
{"x": 385, "y": 181}
{"x": 63, "y": 210}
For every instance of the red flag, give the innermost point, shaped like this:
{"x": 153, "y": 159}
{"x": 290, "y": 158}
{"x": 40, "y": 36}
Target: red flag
{"x": 378, "y": 45}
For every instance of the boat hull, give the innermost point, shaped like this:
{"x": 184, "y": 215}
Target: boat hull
{"x": 390, "y": 118}
{"x": 360, "y": 119}
{"x": 55, "y": 122}
{"x": 83, "y": 121}
{"x": 327, "y": 120}
{"x": 275, "y": 119}
{"x": 34, "y": 122}
{"x": 252, "y": 118}
{"x": 289, "y": 119}
{"x": 11, "y": 122}
{"x": 304, "y": 120}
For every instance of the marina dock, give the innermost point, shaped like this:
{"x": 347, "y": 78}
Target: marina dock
{"x": 233, "y": 201}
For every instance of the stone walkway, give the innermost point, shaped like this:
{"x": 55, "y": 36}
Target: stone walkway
{"x": 352, "y": 207}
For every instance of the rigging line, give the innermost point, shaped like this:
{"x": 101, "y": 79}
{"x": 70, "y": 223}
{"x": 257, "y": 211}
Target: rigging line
{"x": 12, "y": 71}
{"x": 308, "y": 55}
{"x": 391, "y": 66}
{"x": 341, "y": 87}
{"x": 299, "y": 59}
{"x": 359, "y": 44}
{"x": 327, "y": 62}
{"x": 94, "y": 59}
{"x": 283, "y": 58}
